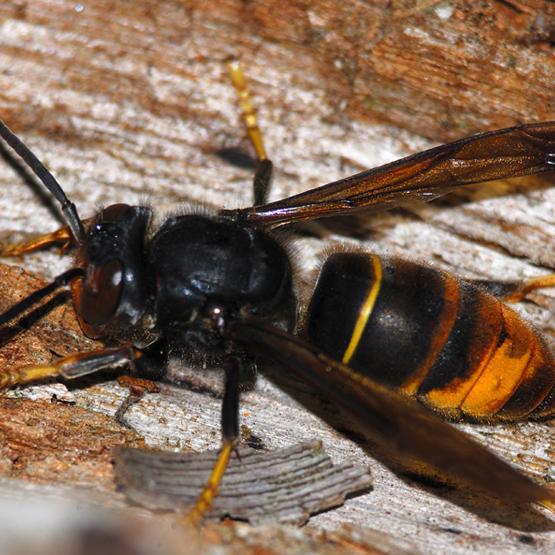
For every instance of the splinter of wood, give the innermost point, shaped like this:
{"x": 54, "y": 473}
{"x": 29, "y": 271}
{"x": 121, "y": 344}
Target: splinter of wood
{"x": 285, "y": 485}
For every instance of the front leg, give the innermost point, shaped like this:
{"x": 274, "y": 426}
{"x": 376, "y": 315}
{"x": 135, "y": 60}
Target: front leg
{"x": 72, "y": 366}
{"x": 230, "y": 438}
{"x": 61, "y": 237}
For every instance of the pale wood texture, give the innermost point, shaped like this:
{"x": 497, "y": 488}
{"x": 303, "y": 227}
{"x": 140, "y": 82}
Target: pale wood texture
{"x": 282, "y": 485}
{"x": 130, "y": 101}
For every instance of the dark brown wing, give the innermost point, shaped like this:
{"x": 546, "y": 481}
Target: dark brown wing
{"x": 399, "y": 425}
{"x": 523, "y": 150}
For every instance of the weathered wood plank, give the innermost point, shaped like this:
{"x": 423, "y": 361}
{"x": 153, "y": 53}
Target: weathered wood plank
{"x": 127, "y": 101}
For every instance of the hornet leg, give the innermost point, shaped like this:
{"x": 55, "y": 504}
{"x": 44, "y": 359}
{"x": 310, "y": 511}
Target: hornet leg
{"x": 230, "y": 438}
{"x": 515, "y": 291}
{"x": 263, "y": 175}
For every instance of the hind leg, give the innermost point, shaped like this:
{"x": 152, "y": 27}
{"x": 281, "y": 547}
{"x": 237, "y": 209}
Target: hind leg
{"x": 515, "y": 291}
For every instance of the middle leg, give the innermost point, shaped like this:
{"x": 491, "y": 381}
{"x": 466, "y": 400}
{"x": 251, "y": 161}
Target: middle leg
{"x": 230, "y": 438}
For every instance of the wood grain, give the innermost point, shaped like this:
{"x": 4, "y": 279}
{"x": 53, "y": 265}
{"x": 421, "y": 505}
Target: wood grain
{"x": 130, "y": 101}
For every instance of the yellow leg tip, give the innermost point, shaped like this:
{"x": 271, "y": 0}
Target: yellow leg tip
{"x": 191, "y": 519}
{"x": 249, "y": 113}
{"x": 548, "y": 504}
{"x": 18, "y": 376}
{"x": 62, "y": 235}
{"x": 205, "y": 499}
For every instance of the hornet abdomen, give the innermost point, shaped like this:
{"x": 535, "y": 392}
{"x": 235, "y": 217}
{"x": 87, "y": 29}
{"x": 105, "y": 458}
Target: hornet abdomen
{"x": 444, "y": 341}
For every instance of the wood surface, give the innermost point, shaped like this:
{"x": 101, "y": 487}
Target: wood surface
{"x": 130, "y": 102}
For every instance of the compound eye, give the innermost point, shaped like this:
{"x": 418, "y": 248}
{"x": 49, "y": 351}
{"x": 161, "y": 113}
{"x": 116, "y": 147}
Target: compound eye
{"x": 116, "y": 213}
{"x": 101, "y": 292}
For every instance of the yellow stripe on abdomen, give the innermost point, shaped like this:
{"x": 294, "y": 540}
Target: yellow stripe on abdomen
{"x": 365, "y": 310}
